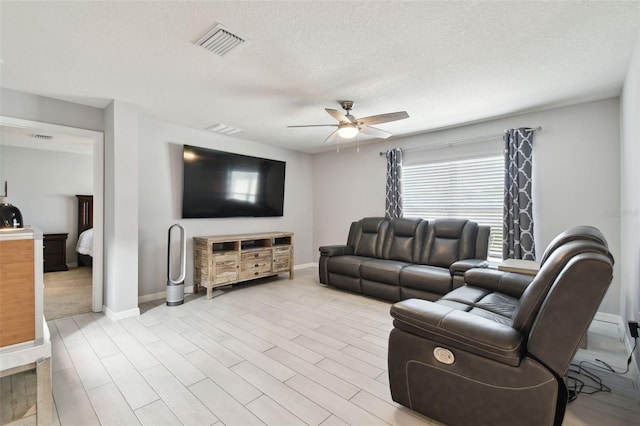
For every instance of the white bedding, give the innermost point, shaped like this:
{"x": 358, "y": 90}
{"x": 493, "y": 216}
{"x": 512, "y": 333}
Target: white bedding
{"x": 85, "y": 243}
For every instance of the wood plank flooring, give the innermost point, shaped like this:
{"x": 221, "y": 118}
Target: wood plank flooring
{"x": 67, "y": 293}
{"x": 275, "y": 352}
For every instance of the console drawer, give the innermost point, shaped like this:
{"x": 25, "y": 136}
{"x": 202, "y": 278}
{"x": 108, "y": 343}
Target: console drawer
{"x": 225, "y": 268}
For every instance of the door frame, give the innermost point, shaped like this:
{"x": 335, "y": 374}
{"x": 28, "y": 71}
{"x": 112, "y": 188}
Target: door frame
{"x": 98, "y": 193}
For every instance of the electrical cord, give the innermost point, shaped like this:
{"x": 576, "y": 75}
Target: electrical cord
{"x": 609, "y": 368}
{"x": 587, "y": 381}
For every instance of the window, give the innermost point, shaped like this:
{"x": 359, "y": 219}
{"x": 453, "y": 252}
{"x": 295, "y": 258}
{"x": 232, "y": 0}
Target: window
{"x": 469, "y": 189}
{"x": 243, "y": 186}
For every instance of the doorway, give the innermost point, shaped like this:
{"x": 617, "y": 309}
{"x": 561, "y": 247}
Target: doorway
{"x": 97, "y": 139}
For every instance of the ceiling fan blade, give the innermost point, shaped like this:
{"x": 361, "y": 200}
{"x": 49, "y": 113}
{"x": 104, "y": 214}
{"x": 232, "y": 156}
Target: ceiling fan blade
{"x": 375, "y": 132}
{"x": 331, "y": 136}
{"x": 384, "y": 118}
{"x": 337, "y": 115}
{"x": 317, "y": 125}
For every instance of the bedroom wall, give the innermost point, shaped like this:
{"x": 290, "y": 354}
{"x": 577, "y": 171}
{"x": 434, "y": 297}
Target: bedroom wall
{"x": 160, "y": 198}
{"x": 43, "y": 185}
{"x": 576, "y": 176}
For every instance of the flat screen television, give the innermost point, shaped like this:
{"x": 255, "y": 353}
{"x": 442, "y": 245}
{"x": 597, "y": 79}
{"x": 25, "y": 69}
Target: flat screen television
{"x": 220, "y": 184}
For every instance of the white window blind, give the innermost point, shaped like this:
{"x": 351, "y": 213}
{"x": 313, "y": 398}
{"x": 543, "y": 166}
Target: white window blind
{"x": 469, "y": 189}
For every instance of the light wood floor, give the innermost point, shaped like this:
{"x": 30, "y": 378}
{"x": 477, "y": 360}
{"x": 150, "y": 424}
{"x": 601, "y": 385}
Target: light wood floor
{"x": 281, "y": 352}
{"x": 68, "y": 293}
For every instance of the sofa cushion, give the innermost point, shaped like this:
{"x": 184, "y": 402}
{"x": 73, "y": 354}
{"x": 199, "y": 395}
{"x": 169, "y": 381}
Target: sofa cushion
{"x": 448, "y": 240}
{"x": 403, "y": 239}
{"x": 466, "y": 294}
{"x": 369, "y": 236}
{"x": 380, "y": 290}
{"x": 382, "y": 270}
{"x": 498, "y": 303}
{"x": 484, "y": 303}
{"x": 425, "y": 277}
{"x": 346, "y": 265}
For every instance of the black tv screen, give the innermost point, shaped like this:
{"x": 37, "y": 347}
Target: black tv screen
{"x": 222, "y": 184}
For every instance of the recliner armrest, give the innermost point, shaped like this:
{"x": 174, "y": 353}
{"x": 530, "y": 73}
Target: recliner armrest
{"x": 461, "y": 266}
{"x": 455, "y": 329}
{"x": 337, "y": 250}
{"x": 510, "y": 283}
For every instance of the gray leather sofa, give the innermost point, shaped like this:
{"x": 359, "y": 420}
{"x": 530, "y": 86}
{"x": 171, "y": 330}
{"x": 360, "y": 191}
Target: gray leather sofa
{"x": 496, "y": 351}
{"x": 397, "y": 259}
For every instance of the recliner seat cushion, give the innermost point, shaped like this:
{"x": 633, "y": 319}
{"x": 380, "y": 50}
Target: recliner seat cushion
{"x": 380, "y": 270}
{"x": 484, "y": 303}
{"x": 425, "y": 277}
{"x": 346, "y": 265}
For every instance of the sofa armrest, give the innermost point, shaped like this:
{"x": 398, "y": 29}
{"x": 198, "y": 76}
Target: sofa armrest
{"x": 462, "y": 266}
{"x": 455, "y": 329}
{"x": 510, "y": 283}
{"x": 337, "y": 250}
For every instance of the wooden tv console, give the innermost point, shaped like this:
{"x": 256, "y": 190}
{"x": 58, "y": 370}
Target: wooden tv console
{"x": 226, "y": 259}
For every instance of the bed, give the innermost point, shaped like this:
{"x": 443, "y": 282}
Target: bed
{"x": 84, "y": 247}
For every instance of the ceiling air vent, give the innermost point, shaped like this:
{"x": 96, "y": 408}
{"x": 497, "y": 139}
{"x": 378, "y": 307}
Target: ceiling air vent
{"x": 219, "y": 40}
{"x": 45, "y": 137}
{"x": 224, "y": 129}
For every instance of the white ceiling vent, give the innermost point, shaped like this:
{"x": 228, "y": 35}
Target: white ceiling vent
{"x": 224, "y": 129}
{"x": 219, "y": 40}
{"x": 45, "y": 137}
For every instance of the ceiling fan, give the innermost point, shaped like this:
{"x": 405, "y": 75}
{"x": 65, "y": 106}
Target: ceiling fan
{"x": 349, "y": 126}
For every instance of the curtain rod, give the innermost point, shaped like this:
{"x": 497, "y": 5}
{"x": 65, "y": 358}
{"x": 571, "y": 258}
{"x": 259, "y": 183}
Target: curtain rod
{"x": 461, "y": 141}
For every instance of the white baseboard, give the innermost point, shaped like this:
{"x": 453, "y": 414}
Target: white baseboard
{"x": 626, "y": 338}
{"x": 605, "y": 317}
{"x": 622, "y": 326}
{"x": 117, "y": 316}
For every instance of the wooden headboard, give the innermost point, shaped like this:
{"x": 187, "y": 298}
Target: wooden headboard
{"x": 85, "y": 212}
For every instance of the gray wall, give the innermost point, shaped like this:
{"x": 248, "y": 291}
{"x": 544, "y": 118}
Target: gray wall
{"x": 43, "y": 185}
{"x": 629, "y": 212}
{"x": 576, "y": 176}
{"x": 47, "y": 110}
{"x": 160, "y": 198}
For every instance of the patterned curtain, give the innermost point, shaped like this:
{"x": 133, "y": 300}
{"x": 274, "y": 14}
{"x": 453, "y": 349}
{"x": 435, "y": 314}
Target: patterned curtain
{"x": 393, "y": 206}
{"x": 518, "y": 203}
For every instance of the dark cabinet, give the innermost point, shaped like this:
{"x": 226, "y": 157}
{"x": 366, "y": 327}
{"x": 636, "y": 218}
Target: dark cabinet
{"x": 55, "y": 252}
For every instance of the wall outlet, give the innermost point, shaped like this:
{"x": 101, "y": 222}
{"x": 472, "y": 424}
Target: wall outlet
{"x": 633, "y": 328}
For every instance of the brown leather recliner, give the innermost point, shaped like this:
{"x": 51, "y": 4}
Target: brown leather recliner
{"x": 496, "y": 351}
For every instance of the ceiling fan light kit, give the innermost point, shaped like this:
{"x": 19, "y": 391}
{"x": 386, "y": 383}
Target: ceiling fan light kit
{"x": 347, "y": 131}
{"x": 349, "y": 126}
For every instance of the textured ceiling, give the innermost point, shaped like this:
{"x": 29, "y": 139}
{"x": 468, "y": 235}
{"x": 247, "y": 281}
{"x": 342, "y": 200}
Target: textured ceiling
{"x": 445, "y": 63}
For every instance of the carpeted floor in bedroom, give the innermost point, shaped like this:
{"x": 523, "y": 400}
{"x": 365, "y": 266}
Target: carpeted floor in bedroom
{"x": 67, "y": 293}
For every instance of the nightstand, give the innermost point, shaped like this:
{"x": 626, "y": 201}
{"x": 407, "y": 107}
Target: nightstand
{"x": 55, "y": 252}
